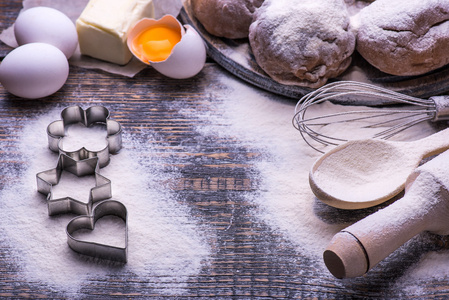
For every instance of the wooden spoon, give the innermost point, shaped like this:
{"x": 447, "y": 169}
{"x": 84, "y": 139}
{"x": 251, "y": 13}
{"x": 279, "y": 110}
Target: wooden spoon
{"x": 424, "y": 207}
{"x": 364, "y": 173}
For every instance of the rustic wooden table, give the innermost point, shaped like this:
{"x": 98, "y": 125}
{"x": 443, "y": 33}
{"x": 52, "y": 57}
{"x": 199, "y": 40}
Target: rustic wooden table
{"x": 249, "y": 258}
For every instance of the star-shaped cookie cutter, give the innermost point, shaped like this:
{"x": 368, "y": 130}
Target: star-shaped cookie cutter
{"x": 94, "y": 114}
{"x": 104, "y": 251}
{"x": 47, "y": 179}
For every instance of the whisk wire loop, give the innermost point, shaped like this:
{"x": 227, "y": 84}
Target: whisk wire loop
{"x": 403, "y": 111}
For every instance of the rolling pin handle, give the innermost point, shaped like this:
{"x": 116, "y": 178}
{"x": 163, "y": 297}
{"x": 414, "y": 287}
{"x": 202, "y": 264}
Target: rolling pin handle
{"x": 425, "y": 207}
{"x": 346, "y": 257}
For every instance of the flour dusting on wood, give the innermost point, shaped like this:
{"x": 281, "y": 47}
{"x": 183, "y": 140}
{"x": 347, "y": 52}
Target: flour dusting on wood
{"x": 263, "y": 121}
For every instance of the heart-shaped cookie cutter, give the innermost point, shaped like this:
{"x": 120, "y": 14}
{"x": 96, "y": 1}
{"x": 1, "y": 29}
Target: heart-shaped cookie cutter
{"x": 47, "y": 179}
{"x": 94, "y": 249}
{"x": 92, "y": 115}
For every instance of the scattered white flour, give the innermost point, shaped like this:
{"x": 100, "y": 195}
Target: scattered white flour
{"x": 422, "y": 208}
{"x": 93, "y": 137}
{"x": 164, "y": 237}
{"x": 263, "y": 121}
{"x": 109, "y": 230}
{"x": 70, "y": 185}
{"x": 164, "y": 240}
{"x": 239, "y": 54}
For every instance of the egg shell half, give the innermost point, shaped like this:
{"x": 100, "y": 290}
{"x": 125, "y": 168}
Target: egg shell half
{"x": 188, "y": 56}
{"x": 34, "y": 70}
{"x": 46, "y": 25}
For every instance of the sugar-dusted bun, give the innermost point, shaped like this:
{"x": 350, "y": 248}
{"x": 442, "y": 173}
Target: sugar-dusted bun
{"x": 302, "y": 42}
{"x": 404, "y": 37}
{"x": 354, "y": 6}
{"x": 226, "y": 18}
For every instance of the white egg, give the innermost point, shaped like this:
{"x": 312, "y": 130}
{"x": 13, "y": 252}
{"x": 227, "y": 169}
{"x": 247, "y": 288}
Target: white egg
{"x": 34, "y": 70}
{"x": 46, "y": 25}
{"x": 187, "y": 57}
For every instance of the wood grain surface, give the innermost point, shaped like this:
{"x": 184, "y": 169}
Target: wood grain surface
{"x": 250, "y": 261}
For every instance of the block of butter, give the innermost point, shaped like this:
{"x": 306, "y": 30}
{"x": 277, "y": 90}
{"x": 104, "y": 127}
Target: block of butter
{"x": 103, "y": 26}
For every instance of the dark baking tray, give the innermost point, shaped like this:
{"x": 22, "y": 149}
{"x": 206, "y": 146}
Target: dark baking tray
{"x": 236, "y": 57}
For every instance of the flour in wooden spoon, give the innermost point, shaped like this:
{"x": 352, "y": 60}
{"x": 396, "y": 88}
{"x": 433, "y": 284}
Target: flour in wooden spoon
{"x": 364, "y": 171}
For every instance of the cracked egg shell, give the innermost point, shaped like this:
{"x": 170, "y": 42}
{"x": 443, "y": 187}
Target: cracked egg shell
{"x": 174, "y": 50}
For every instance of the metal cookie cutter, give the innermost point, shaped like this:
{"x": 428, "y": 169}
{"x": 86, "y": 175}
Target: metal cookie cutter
{"x": 94, "y": 114}
{"x": 107, "y": 207}
{"x": 90, "y": 166}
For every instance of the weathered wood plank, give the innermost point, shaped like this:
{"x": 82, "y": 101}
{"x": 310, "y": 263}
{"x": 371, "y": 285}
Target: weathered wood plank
{"x": 249, "y": 260}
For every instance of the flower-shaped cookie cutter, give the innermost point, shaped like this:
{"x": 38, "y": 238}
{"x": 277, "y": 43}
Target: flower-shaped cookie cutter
{"x": 93, "y": 115}
{"x": 47, "y": 179}
{"x": 99, "y": 250}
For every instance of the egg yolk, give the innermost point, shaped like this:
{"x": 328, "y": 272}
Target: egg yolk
{"x": 156, "y": 43}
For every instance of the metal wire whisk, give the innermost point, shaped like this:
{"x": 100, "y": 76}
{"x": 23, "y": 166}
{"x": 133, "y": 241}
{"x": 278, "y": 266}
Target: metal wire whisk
{"x": 398, "y": 112}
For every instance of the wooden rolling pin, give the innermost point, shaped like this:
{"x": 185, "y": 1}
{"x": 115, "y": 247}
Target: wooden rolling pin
{"x": 425, "y": 207}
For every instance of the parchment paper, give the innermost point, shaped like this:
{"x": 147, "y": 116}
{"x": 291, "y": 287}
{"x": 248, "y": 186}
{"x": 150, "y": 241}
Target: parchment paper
{"x": 73, "y": 8}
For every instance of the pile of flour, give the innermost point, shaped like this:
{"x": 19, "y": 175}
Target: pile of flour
{"x": 285, "y": 202}
{"x": 165, "y": 241}
{"x": 165, "y": 237}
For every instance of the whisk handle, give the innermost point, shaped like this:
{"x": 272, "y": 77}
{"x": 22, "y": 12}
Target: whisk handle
{"x": 441, "y": 107}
